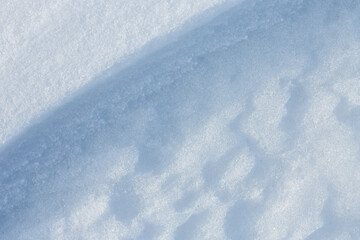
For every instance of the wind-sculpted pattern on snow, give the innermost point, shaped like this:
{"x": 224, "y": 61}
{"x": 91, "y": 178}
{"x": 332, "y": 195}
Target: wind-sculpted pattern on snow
{"x": 245, "y": 128}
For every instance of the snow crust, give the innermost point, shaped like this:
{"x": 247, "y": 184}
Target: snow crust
{"x": 50, "y": 49}
{"x": 246, "y": 127}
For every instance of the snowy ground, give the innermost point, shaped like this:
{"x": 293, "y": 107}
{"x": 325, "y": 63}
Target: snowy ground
{"x": 180, "y": 120}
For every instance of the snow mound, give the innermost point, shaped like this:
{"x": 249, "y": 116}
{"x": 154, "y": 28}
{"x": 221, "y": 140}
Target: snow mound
{"x": 246, "y": 127}
{"x": 51, "y": 49}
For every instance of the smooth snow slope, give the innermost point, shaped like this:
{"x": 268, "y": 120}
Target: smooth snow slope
{"x": 244, "y": 128}
{"x": 50, "y": 49}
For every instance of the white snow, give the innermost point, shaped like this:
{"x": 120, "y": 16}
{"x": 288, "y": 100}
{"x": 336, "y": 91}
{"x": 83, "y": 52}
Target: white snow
{"x": 50, "y": 49}
{"x": 180, "y": 120}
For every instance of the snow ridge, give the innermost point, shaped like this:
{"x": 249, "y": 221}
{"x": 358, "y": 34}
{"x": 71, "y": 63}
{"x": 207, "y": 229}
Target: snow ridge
{"x": 244, "y": 128}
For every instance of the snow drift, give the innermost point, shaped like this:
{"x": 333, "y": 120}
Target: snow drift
{"x": 246, "y": 127}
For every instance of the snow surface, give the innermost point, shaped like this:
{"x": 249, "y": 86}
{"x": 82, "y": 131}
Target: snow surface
{"x": 50, "y": 49}
{"x": 244, "y": 124}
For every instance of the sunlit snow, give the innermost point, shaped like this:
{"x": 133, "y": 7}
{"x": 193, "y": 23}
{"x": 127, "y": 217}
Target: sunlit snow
{"x": 180, "y": 120}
